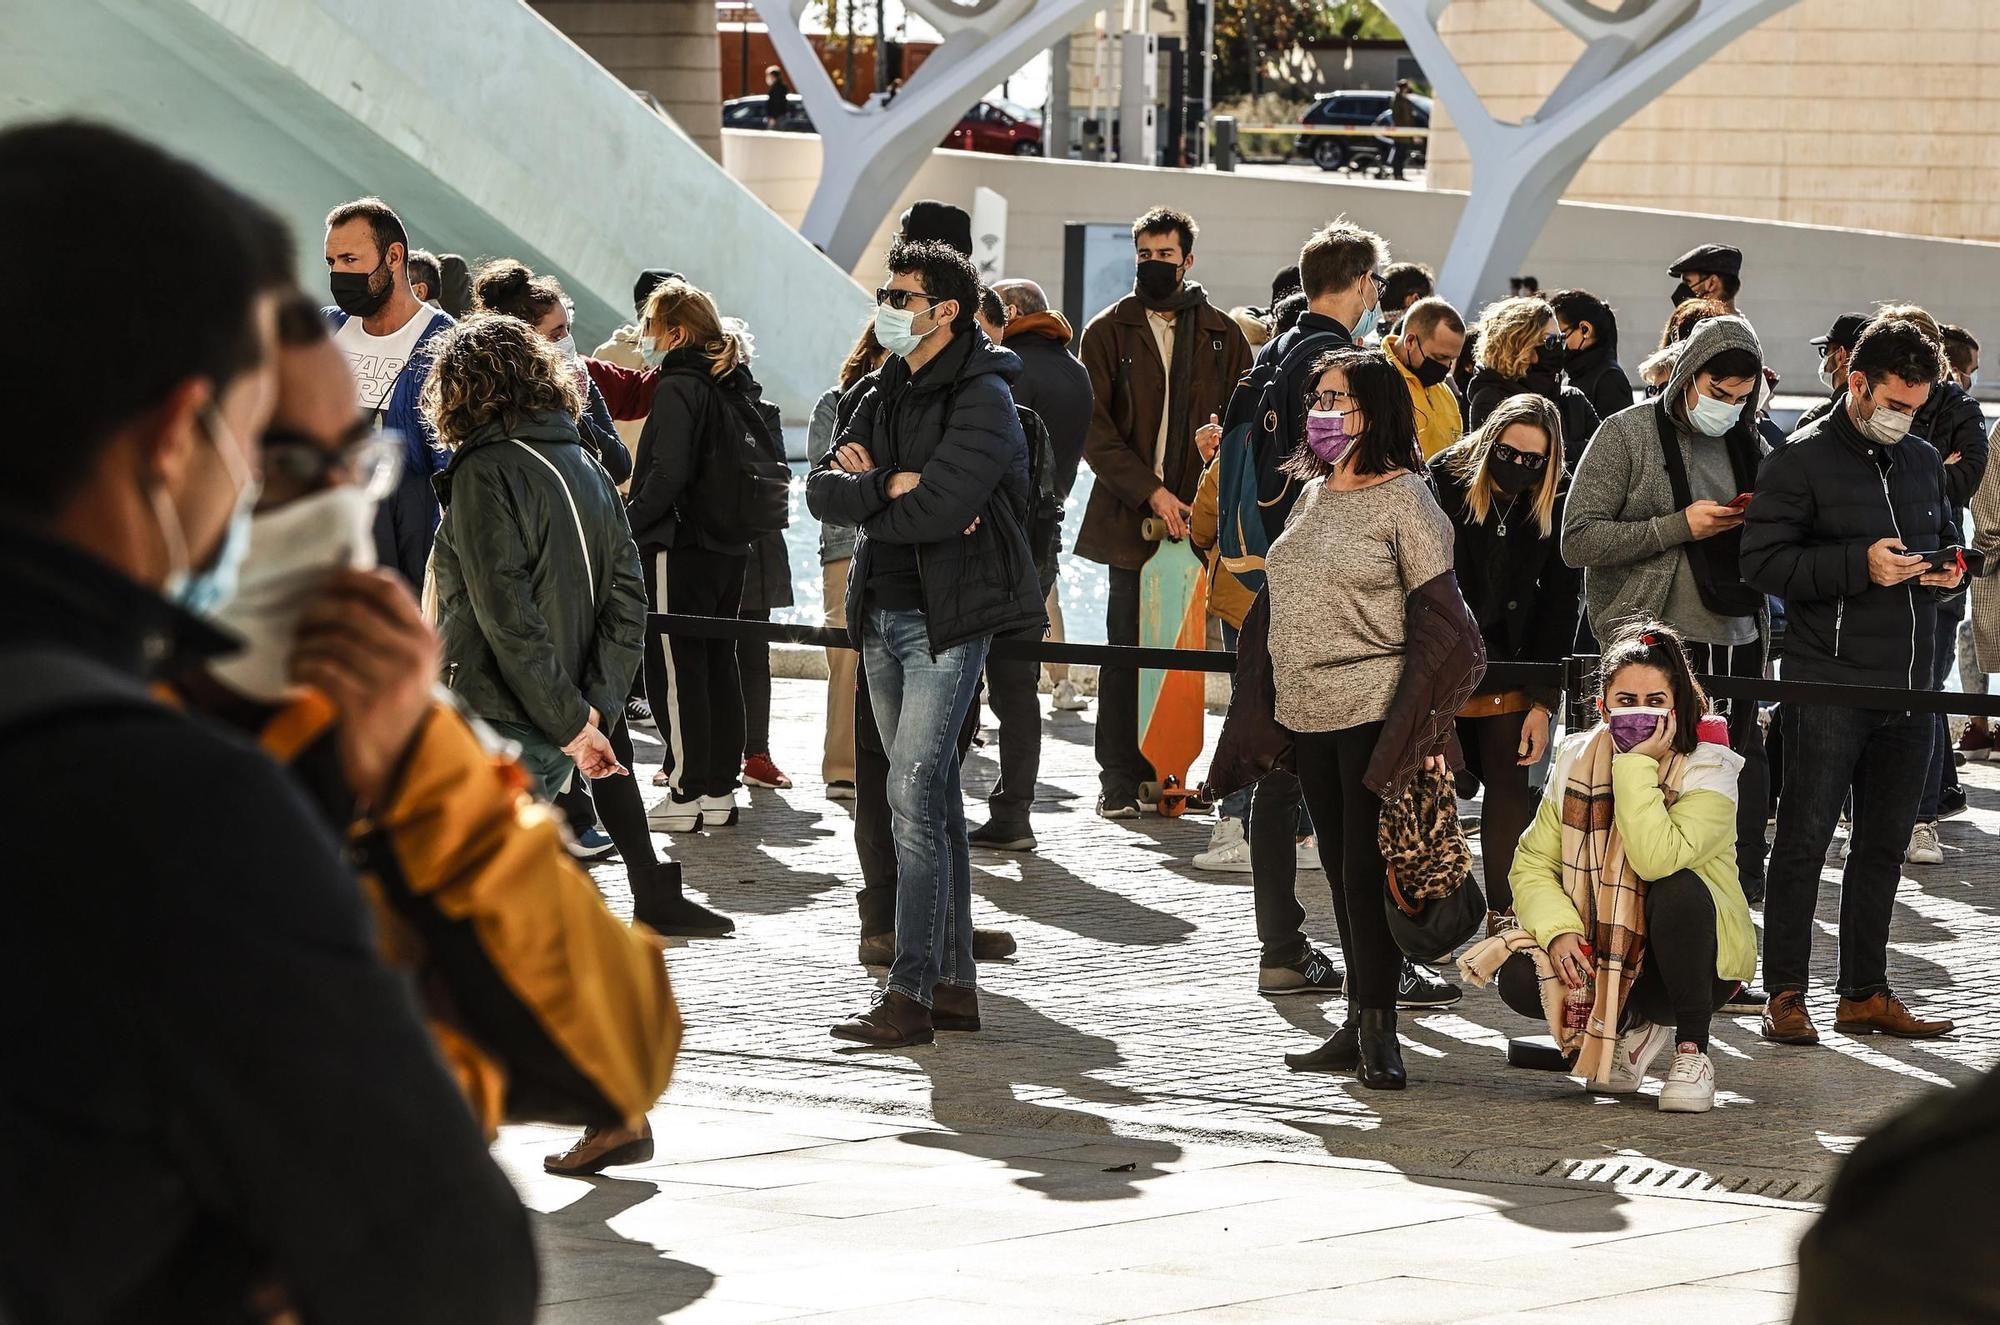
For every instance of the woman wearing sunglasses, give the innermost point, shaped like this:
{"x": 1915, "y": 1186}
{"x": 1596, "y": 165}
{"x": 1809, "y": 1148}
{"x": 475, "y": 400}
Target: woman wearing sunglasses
{"x": 1502, "y": 489}
{"x": 1521, "y": 353}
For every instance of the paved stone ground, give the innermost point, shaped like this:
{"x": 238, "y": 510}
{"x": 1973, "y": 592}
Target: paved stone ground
{"x": 750, "y": 1216}
{"x": 1130, "y": 1014}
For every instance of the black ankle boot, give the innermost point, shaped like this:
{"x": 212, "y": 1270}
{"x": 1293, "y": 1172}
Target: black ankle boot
{"x": 657, "y": 903}
{"x": 1381, "y": 1056}
{"x": 1340, "y": 1053}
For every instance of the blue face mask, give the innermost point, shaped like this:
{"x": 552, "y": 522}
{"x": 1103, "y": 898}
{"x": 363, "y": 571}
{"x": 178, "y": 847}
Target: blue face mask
{"x": 1369, "y": 317}
{"x": 205, "y": 591}
{"x": 1713, "y": 417}
{"x": 650, "y": 351}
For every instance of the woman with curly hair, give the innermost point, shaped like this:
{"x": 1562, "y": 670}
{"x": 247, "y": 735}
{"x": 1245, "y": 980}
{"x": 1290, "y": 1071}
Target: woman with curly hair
{"x": 1521, "y": 352}
{"x": 505, "y": 285}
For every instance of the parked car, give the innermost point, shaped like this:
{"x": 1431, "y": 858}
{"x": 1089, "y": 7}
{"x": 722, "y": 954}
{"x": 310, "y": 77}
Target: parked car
{"x": 990, "y": 126}
{"x": 1358, "y": 109}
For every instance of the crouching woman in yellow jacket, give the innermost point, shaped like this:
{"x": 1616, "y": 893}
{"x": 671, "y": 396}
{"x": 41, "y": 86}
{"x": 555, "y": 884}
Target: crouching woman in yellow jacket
{"x": 1632, "y": 929}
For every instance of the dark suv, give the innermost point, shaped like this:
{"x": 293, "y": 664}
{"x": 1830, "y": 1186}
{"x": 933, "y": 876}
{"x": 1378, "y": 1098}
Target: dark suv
{"x": 1355, "y": 110}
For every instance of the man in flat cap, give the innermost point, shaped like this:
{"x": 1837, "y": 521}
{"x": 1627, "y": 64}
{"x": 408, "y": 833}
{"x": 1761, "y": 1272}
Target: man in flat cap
{"x": 1712, "y": 271}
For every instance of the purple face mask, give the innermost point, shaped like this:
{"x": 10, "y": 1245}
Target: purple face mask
{"x": 1630, "y": 727}
{"x": 1326, "y": 434}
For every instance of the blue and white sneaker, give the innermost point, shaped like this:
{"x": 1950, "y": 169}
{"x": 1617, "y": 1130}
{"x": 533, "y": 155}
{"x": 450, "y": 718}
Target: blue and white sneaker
{"x": 592, "y": 844}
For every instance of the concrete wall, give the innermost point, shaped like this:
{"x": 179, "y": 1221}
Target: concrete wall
{"x": 483, "y": 125}
{"x": 1871, "y": 115}
{"x": 1801, "y": 276}
{"x": 665, "y": 47}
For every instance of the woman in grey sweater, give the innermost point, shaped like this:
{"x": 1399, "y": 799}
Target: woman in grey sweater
{"x": 1659, "y": 541}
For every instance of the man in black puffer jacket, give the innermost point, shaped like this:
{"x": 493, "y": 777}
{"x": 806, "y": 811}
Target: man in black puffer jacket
{"x": 932, "y": 468}
{"x": 1838, "y": 512}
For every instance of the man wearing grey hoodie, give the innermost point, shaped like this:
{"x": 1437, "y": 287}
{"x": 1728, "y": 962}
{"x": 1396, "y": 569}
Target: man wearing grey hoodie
{"x": 1655, "y": 520}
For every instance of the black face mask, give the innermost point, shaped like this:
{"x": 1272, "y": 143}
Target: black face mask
{"x": 354, "y": 291}
{"x": 1429, "y": 372}
{"x": 1549, "y": 357}
{"x": 1158, "y": 280}
{"x": 1511, "y": 476}
{"x": 1681, "y": 293}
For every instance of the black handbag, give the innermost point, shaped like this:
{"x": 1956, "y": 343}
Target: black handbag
{"x": 1436, "y": 928}
{"x": 1716, "y": 561}
{"x": 1432, "y": 902}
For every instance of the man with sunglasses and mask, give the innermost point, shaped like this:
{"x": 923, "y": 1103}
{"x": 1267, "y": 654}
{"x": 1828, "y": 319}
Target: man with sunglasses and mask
{"x": 931, "y": 467}
{"x": 384, "y": 329}
{"x": 216, "y": 1074}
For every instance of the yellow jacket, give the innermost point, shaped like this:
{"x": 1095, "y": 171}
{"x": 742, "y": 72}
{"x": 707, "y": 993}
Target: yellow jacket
{"x": 545, "y": 1006}
{"x": 1227, "y": 598}
{"x": 1440, "y": 422}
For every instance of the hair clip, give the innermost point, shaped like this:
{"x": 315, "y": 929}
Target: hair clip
{"x": 1650, "y": 640}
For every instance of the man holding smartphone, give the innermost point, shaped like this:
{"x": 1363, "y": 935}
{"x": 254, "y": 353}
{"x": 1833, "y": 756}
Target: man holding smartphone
{"x": 1840, "y": 528}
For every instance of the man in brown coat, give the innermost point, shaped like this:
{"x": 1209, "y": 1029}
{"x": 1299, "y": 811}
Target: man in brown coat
{"x": 1162, "y": 363}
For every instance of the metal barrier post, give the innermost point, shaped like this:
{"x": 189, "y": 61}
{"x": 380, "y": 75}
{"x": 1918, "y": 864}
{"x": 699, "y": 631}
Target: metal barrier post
{"x": 1579, "y": 688}
{"x": 1225, "y": 143}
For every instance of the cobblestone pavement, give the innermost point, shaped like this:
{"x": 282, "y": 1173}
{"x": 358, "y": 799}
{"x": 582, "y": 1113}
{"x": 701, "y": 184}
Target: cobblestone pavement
{"x": 749, "y": 1215}
{"x": 1130, "y": 1013}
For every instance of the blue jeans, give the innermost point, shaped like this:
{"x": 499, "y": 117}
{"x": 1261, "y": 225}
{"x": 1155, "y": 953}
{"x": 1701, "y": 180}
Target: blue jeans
{"x": 920, "y": 702}
{"x": 1943, "y": 772}
{"x": 1883, "y": 757}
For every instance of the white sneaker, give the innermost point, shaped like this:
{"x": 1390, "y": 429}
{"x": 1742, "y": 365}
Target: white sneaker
{"x": 1308, "y": 854}
{"x": 1925, "y": 849}
{"x": 1228, "y": 850}
{"x": 1635, "y": 1052}
{"x": 719, "y": 811}
{"x": 1690, "y": 1084}
{"x": 672, "y": 816}
{"x": 1067, "y": 699}
{"x": 1847, "y": 846}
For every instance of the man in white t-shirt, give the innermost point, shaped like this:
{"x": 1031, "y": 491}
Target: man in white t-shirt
{"x": 384, "y": 329}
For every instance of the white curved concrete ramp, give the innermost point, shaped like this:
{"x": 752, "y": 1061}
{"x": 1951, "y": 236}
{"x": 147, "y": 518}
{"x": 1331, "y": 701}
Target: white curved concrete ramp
{"x": 486, "y": 128}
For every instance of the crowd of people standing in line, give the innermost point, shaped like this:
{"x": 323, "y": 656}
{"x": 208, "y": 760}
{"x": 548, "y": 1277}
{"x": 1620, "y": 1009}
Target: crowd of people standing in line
{"x": 251, "y": 559}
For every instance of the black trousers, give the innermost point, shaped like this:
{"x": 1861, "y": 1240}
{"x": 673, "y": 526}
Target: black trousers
{"x": 1274, "y": 870}
{"x": 697, "y": 699}
{"x": 1345, "y": 815}
{"x": 1746, "y": 737}
{"x": 1677, "y": 985}
{"x": 1012, "y": 688}
{"x": 1120, "y": 766}
{"x": 753, "y": 673}
{"x": 874, "y": 842}
{"x": 1491, "y": 754}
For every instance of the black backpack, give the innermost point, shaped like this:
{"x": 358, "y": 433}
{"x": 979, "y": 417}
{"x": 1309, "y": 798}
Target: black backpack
{"x": 1045, "y": 504}
{"x": 742, "y": 488}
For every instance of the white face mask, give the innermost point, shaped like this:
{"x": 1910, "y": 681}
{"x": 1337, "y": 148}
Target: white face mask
{"x": 1887, "y": 426}
{"x": 893, "y": 330}
{"x": 566, "y": 347}
{"x": 1713, "y": 417}
{"x": 293, "y": 550}
{"x": 1825, "y": 375}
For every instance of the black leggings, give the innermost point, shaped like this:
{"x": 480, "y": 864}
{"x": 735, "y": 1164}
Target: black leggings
{"x": 614, "y": 801}
{"x": 1508, "y": 804}
{"x": 753, "y": 672}
{"x": 1345, "y": 814}
{"x": 1677, "y": 985}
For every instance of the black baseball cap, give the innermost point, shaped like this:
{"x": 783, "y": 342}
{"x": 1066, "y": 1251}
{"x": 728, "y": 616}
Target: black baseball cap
{"x": 1845, "y": 331}
{"x": 651, "y": 279}
{"x": 1716, "y": 259}
{"x": 939, "y": 222}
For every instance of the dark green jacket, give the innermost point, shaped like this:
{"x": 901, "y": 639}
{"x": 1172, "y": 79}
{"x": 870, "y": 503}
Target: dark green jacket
{"x": 540, "y": 600}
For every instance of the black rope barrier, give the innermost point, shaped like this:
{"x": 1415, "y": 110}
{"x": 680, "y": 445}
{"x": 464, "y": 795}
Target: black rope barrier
{"x": 1575, "y": 675}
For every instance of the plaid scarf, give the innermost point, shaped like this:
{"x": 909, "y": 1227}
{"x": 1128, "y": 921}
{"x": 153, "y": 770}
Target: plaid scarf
{"x": 1609, "y": 897}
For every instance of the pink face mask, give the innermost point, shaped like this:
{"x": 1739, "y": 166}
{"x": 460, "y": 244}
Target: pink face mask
{"x": 1633, "y": 726}
{"x": 1326, "y": 434}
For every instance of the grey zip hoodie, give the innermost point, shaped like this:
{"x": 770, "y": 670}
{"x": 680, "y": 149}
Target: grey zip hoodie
{"x": 1621, "y": 523}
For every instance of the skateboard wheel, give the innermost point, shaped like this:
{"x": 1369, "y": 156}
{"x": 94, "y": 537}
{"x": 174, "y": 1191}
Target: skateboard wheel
{"x": 1149, "y": 793}
{"x": 1152, "y": 529}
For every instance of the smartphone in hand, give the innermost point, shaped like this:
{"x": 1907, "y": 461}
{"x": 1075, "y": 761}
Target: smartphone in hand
{"x": 1741, "y": 501}
{"x": 1944, "y": 559}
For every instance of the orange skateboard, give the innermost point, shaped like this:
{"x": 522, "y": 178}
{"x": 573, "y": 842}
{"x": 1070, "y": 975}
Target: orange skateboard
{"x": 1173, "y": 614}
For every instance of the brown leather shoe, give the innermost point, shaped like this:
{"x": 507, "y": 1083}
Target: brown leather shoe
{"x": 600, "y": 1148}
{"x": 1786, "y": 1020}
{"x": 1884, "y": 1012}
{"x": 954, "y": 1008}
{"x": 988, "y": 945}
{"x": 897, "y": 1022}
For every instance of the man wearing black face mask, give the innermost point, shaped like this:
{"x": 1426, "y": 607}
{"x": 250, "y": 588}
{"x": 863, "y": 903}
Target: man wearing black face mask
{"x": 1423, "y": 351}
{"x": 247, "y": 1050}
{"x": 1162, "y": 363}
{"x": 384, "y": 328}
{"x": 1712, "y": 271}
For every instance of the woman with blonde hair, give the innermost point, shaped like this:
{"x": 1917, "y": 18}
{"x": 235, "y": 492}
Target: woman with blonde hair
{"x": 1502, "y": 488}
{"x": 1521, "y": 353}
{"x": 705, "y": 404}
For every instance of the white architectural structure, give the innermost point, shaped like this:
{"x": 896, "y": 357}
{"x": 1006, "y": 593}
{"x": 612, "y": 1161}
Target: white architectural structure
{"x": 1632, "y": 53}
{"x": 872, "y": 151}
